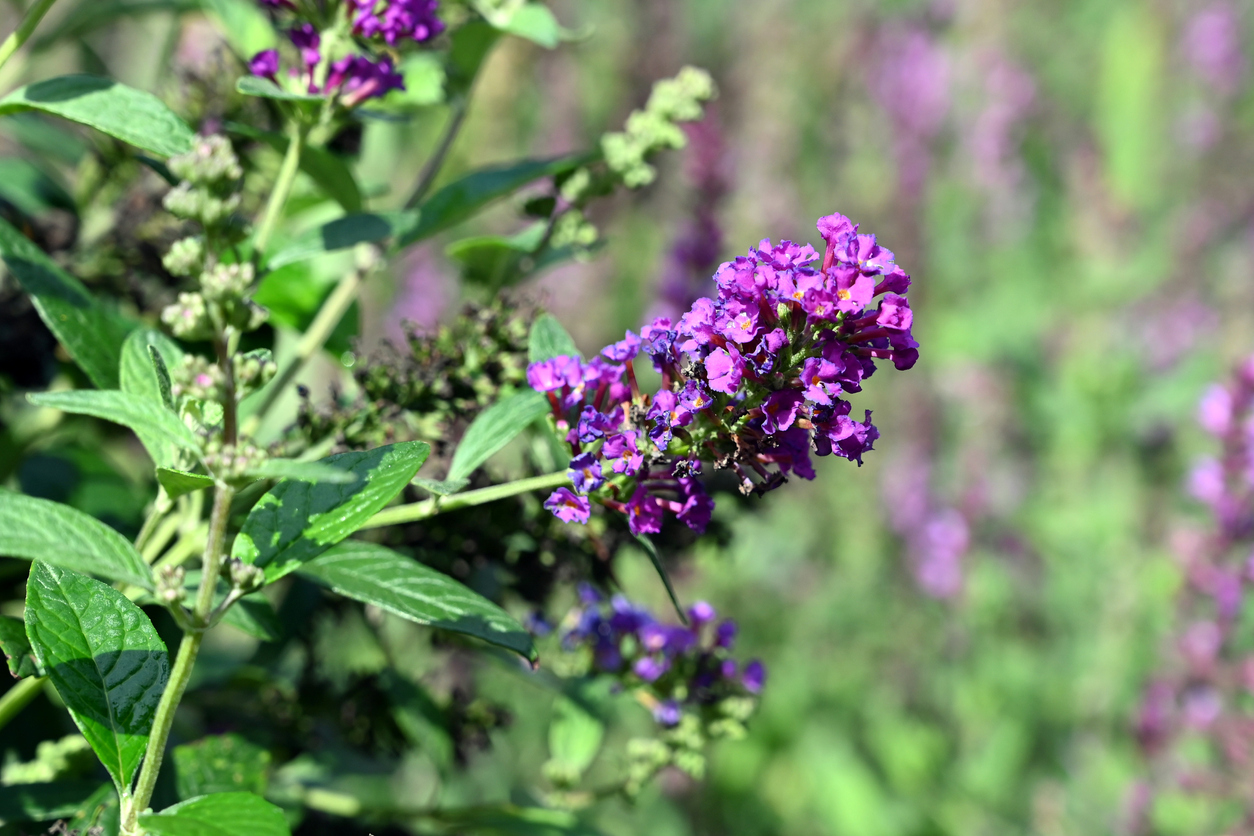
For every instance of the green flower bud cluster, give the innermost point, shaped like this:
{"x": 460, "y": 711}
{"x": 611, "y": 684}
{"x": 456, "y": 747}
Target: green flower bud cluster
{"x": 232, "y": 462}
{"x": 188, "y": 318}
{"x": 211, "y": 178}
{"x": 243, "y": 576}
{"x": 186, "y": 257}
{"x": 654, "y": 128}
{"x": 253, "y": 371}
{"x": 55, "y": 760}
{"x": 196, "y": 378}
{"x": 171, "y": 585}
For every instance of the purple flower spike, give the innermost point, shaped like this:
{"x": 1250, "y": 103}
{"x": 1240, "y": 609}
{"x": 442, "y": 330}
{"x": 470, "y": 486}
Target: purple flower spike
{"x": 568, "y": 507}
{"x": 754, "y": 677}
{"x": 265, "y": 64}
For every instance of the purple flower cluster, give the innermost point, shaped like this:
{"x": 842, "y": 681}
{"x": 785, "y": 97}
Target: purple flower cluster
{"x": 1204, "y": 691}
{"x": 678, "y": 666}
{"x": 752, "y": 381}
{"x": 357, "y": 77}
{"x": 396, "y": 20}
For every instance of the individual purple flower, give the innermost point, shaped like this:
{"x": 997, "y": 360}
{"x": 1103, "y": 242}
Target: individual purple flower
{"x": 701, "y": 613}
{"x": 836, "y": 230}
{"x": 358, "y": 78}
{"x": 308, "y": 41}
{"x": 568, "y": 507}
{"x": 725, "y": 634}
{"x": 1214, "y": 412}
{"x": 754, "y": 677}
{"x": 668, "y": 713}
{"x": 895, "y": 313}
{"x": 1212, "y": 46}
{"x": 650, "y": 668}
{"x": 623, "y": 351}
{"x": 622, "y": 452}
{"x": 554, "y": 374}
{"x": 585, "y": 473}
{"x": 724, "y": 369}
{"x": 697, "y": 507}
{"x": 265, "y": 64}
{"x": 780, "y": 410}
{"x": 644, "y": 513}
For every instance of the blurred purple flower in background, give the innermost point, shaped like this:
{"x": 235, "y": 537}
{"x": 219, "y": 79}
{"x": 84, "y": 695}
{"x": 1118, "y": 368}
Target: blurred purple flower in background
{"x": 910, "y": 79}
{"x": 1007, "y": 97}
{"x": 1212, "y": 46}
{"x": 936, "y": 537}
{"x": 423, "y": 294}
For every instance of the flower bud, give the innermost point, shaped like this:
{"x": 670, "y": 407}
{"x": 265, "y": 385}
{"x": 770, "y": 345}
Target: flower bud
{"x": 211, "y": 163}
{"x": 245, "y": 576}
{"x": 233, "y": 462}
{"x": 186, "y": 257}
{"x": 227, "y": 284}
{"x": 189, "y": 317}
{"x": 198, "y": 379}
{"x": 254, "y": 370}
{"x": 170, "y": 589}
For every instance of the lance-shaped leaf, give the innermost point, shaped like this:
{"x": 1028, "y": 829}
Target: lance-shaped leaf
{"x": 39, "y": 529}
{"x": 655, "y": 558}
{"x": 303, "y": 471}
{"x": 495, "y": 427}
{"x": 92, "y": 333}
{"x": 105, "y": 659}
{"x": 339, "y": 234}
{"x": 377, "y": 575}
{"x": 145, "y": 371}
{"x": 16, "y": 648}
{"x": 548, "y": 339}
{"x": 297, "y": 521}
{"x": 130, "y": 115}
{"x": 179, "y": 482}
{"x": 124, "y": 408}
{"x": 221, "y": 814}
{"x": 462, "y": 199}
{"x": 266, "y": 89}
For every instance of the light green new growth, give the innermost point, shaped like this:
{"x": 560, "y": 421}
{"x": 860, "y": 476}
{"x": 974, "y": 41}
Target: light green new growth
{"x": 673, "y": 100}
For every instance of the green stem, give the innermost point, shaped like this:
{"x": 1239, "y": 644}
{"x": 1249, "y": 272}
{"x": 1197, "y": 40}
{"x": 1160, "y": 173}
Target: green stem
{"x": 24, "y": 29}
{"x": 329, "y": 316}
{"x": 180, "y": 674}
{"x": 18, "y": 697}
{"x": 430, "y": 507}
{"x": 282, "y": 190}
{"x": 432, "y": 169}
{"x": 159, "y": 539}
{"x": 183, "y": 548}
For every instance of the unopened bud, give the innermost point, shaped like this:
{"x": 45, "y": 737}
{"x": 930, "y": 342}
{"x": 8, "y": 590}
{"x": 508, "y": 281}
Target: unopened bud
{"x": 189, "y": 317}
{"x": 197, "y": 378}
{"x": 254, "y": 370}
{"x": 186, "y": 257}
{"x": 245, "y": 576}
{"x": 227, "y": 284}
{"x": 211, "y": 163}
{"x": 170, "y": 585}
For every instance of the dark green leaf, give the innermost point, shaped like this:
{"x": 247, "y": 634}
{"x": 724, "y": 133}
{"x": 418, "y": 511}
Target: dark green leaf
{"x": 38, "y": 529}
{"x": 179, "y": 482}
{"x": 495, "y": 427}
{"x": 656, "y": 559}
{"x": 90, "y": 332}
{"x": 222, "y": 814}
{"x": 222, "y": 763}
{"x": 419, "y": 717}
{"x": 446, "y": 488}
{"x": 303, "y": 471}
{"x": 122, "y": 408}
{"x": 471, "y": 45}
{"x": 510, "y": 820}
{"x": 377, "y": 575}
{"x": 463, "y": 199}
{"x": 297, "y": 521}
{"x": 339, "y": 234}
{"x": 105, "y": 659}
{"x": 50, "y": 138}
{"x": 16, "y": 648}
{"x": 108, "y": 106}
{"x": 48, "y": 801}
{"x": 245, "y": 24}
{"x": 255, "y": 615}
{"x": 549, "y": 339}
{"x": 144, "y": 371}
{"x": 31, "y": 189}
{"x": 251, "y": 85}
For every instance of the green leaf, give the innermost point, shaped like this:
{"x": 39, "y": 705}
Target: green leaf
{"x": 221, "y": 814}
{"x": 377, "y": 575}
{"x": 91, "y": 333}
{"x": 130, "y": 115}
{"x": 16, "y": 648}
{"x": 303, "y": 471}
{"x": 511, "y": 820}
{"x": 31, "y": 189}
{"x": 39, "y": 529}
{"x": 105, "y": 659}
{"x": 495, "y": 427}
{"x": 339, "y": 234}
{"x": 255, "y": 615}
{"x": 575, "y": 737}
{"x": 246, "y": 26}
{"x": 144, "y": 371}
{"x": 47, "y": 801}
{"x": 549, "y": 339}
{"x": 656, "y": 559}
{"x": 297, "y": 521}
{"x": 123, "y": 408}
{"x": 471, "y": 44}
{"x": 531, "y": 21}
{"x": 180, "y": 482}
{"x": 446, "y": 488}
{"x": 463, "y": 199}
{"x": 88, "y": 17}
{"x": 218, "y": 764}
{"x": 251, "y": 85}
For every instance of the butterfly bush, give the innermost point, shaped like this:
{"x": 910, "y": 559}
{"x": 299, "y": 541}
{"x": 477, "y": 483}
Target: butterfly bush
{"x": 753, "y": 381}
{"x": 357, "y": 76}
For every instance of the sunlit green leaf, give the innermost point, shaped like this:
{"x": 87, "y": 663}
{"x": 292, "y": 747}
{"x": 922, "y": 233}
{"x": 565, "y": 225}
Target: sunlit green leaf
{"x": 221, "y": 814}
{"x": 221, "y": 763}
{"x": 493, "y": 428}
{"x": 549, "y": 339}
{"x": 122, "y": 408}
